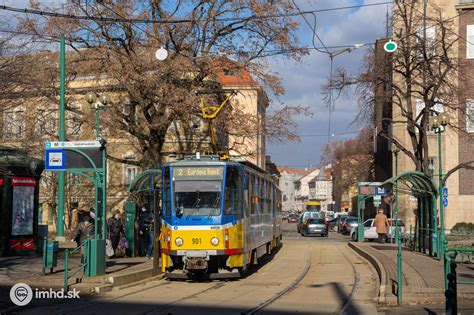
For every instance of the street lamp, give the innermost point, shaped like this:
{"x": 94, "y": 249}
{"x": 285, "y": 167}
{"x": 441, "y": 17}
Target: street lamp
{"x": 439, "y": 123}
{"x": 331, "y": 56}
{"x": 98, "y": 105}
{"x": 395, "y": 151}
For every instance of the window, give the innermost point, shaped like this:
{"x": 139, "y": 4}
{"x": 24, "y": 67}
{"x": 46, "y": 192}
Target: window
{"x": 232, "y": 192}
{"x": 435, "y": 110}
{"x": 14, "y": 123}
{"x": 470, "y": 42}
{"x": 368, "y": 223}
{"x": 430, "y": 44}
{"x": 130, "y": 173}
{"x": 470, "y": 116}
{"x": 432, "y": 162}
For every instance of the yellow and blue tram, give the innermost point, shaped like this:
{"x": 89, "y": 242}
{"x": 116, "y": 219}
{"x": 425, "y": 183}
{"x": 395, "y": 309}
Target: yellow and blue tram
{"x": 218, "y": 217}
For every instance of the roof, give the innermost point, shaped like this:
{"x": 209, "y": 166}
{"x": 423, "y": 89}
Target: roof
{"x": 293, "y": 170}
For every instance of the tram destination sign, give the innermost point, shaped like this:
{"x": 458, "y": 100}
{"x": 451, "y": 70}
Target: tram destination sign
{"x": 201, "y": 172}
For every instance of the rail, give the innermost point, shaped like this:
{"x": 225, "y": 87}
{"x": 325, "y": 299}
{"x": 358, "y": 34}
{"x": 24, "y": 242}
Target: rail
{"x": 450, "y": 275}
{"x": 82, "y": 265}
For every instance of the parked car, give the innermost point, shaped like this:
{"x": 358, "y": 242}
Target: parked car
{"x": 370, "y": 230}
{"x": 292, "y": 218}
{"x": 340, "y": 223}
{"x": 305, "y": 216}
{"x": 332, "y": 224}
{"x": 315, "y": 226}
{"x": 349, "y": 223}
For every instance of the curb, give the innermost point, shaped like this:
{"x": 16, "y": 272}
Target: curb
{"x": 124, "y": 280}
{"x": 378, "y": 266}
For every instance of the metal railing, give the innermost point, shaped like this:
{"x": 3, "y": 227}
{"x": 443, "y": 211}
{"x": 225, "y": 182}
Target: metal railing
{"x": 450, "y": 275}
{"x": 84, "y": 262}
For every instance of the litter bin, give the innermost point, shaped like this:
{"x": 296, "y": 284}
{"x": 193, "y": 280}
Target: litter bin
{"x": 52, "y": 256}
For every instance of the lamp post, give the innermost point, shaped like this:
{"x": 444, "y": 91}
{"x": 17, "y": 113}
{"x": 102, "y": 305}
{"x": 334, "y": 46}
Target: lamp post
{"x": 332, "y": 55}
{"x": 98, "y": 105}
{"x": 395, "y": 152}
{"x": 439, "y": 123}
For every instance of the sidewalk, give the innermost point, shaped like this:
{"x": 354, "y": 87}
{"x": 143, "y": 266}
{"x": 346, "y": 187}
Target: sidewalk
{"x": 423, "y": 276}
{"x": 28, "y": 269}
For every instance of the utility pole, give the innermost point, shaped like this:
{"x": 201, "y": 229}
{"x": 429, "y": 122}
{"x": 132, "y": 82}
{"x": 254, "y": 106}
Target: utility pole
{"x": 62, "y": 137}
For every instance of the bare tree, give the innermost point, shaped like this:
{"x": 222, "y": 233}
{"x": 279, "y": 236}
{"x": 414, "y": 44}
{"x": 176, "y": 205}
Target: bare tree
{"x": 203, "y": 38}
{"x": 424, "y": 73}
{"x": 351, "y": 161}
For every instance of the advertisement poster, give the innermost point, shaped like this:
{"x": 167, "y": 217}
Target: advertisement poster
{"x": 23, "y": 206}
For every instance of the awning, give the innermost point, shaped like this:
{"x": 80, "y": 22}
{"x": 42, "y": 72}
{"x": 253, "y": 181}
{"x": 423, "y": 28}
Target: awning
{"x": 413, "y": 183}
{"x": 147, "y": 181}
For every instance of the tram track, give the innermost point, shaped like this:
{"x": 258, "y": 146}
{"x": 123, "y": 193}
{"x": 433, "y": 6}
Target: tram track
{"x": 287, "y": 289}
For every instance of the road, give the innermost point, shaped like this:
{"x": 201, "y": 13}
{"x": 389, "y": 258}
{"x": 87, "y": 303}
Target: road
{"x": 307, "y": 275}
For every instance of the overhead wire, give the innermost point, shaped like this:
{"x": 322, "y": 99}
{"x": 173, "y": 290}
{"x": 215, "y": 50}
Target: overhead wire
{"x": 179, "y": 21}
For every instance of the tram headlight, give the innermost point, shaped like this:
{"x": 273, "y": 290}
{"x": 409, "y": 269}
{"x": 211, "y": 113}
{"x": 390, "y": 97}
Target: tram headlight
{"x": 178, "y": 241}
{"x": 214, "y": 241}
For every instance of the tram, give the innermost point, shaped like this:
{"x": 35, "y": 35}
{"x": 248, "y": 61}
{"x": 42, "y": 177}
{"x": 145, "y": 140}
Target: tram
{"x": 218, "y": 217}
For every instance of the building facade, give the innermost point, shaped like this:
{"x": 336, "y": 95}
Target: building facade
{"x": 30, "y": 124}
{"x": 288, "y": 176}
{"x": 457, "y": 141}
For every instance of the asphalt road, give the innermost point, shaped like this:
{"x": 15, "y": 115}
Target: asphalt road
{"x": 307, "y": 275}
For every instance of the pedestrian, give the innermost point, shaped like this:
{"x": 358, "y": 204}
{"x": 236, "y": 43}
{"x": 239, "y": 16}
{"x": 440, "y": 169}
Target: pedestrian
{"x": 115, "y": 229}
{"x": 84, "y": 230}
{"x": 381, "y": 224}
{"x": 145, "y": 232}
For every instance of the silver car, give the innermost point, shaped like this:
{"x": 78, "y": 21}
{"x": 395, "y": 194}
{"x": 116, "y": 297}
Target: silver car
{"x": 315, "y": 226}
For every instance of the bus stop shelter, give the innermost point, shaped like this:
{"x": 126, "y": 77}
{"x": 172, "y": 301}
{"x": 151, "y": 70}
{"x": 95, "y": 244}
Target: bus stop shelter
{"x": 422, "y": 187}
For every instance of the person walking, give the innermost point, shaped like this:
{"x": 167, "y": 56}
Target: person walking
{"x": 115, "y": 229}
{"x": 381, "y": 224}
{"x": 84, "y": 230}
{"x": 144, "y": 231}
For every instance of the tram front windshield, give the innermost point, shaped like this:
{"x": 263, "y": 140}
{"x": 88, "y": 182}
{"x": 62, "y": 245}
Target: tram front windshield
{"x": 197, "y": 198}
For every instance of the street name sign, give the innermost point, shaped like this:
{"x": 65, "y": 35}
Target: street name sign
{"x": 72, "y": 144}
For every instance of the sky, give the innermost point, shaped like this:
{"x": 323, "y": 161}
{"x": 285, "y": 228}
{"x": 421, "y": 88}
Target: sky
{"x": 303, "y": 80}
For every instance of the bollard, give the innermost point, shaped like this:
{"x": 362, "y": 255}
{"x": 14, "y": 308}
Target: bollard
{"x": 451, "y": 290}
{"x": 66, "y": 270}
{"x": 45, "y": 254}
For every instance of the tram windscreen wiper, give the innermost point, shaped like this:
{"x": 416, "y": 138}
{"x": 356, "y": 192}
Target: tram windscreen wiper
{"x": 194, "y": 207}
{"x": 215, "y": 206}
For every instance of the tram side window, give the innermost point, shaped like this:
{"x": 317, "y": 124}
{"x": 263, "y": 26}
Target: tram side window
{"x": 265, "y": 197}
{"x": 232, "y": 204}
{"x": 247, "y": 194}
{"x": 166, "y": 192}
{"x": 253, "y": 194}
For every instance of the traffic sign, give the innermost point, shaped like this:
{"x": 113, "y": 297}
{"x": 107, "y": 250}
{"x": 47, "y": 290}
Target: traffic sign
{"x": 445, "y": 192}
{"x": 55, "y": 159}
{"x": 445, "y": 202}
{"x": 390, "y": 46}
{"x": 377, "y": 200}
{"x": 380, "y": 191}
{"x": 72, "y": 144}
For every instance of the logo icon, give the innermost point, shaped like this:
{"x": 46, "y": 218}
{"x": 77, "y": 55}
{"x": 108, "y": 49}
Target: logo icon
{"x": 21, "y": 294}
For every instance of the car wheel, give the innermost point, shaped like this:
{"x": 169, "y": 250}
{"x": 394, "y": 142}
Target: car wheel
{"x": 354, "y": 237}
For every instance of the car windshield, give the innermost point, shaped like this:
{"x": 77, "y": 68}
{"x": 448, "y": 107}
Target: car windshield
{"x": 315, "y": 221}
{"x": 198, "y": 198}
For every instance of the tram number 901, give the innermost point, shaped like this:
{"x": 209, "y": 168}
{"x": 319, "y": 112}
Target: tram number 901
{"x": 196, "y": 241}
